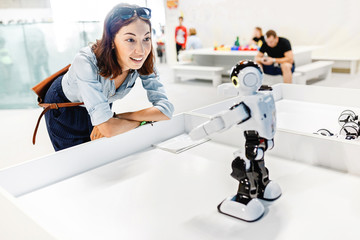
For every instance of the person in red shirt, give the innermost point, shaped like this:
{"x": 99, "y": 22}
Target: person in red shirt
{"x": 180, "y": 36}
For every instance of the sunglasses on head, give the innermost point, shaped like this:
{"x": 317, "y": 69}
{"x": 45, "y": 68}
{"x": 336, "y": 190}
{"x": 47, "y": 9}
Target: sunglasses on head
{"x": 128, "y": 12}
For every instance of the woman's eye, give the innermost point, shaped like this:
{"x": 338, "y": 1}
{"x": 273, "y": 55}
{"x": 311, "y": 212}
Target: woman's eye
{"x": 147, "y": 39}
{"x": 130, "y": 40}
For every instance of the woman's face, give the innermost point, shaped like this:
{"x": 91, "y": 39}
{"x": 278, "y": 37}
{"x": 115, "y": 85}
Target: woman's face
{"x": 133, "y": 45}
{"x": 257, "y": 33}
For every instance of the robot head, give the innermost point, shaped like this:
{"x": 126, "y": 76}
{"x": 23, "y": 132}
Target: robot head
{"x": 247, "y": 76}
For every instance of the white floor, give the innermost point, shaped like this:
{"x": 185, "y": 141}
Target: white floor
{"x": 17, "y": 125}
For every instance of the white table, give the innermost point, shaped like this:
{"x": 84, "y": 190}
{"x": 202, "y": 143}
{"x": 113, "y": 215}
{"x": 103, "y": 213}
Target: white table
{"x": 226, "y": 59}
{"x": 159, "y": 195}
{"x": 122, "y": 188}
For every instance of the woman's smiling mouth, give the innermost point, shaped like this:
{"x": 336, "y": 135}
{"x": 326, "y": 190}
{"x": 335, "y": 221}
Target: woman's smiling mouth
{"x": 137, "y": 59}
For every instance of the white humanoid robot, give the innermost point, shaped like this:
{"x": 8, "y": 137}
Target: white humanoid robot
{"x": 255, "y": 115}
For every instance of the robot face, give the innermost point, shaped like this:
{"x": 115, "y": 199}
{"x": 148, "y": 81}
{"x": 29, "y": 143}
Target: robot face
{"x": 247, "y": 76}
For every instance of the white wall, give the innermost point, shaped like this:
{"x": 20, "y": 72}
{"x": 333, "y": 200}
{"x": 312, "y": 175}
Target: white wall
{"x": 333, "y": 23}
{"x": 172, "y": 20}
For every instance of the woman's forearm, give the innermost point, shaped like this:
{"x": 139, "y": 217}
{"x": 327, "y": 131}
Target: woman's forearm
{"x": 112, "y": 127}
{"x": 147, "y": 114}
{"x": 124, "y": 122}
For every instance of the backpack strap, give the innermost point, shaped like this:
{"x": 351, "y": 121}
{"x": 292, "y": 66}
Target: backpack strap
{"x": 47, "y": 107}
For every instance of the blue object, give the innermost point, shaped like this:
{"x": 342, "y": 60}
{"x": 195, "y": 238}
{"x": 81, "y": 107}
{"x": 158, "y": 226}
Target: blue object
{"x": 275, "y": 70}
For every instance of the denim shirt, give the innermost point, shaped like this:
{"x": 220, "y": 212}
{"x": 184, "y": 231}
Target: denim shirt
{"x": 82, "y": 83}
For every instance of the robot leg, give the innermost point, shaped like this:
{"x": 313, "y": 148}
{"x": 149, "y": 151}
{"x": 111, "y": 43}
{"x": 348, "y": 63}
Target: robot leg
{"x": 247, "y": 186}
{"x": 267, "y": 189}
{"x": 244, "y": 205}
{"x": 255, "y": 151}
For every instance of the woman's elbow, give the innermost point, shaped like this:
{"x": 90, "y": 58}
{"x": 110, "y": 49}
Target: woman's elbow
{"x": 171, "y": 112}
{"x": 163, "y": 117}
{"x": 165, "y": 113}
{"x": 169, "y": 115}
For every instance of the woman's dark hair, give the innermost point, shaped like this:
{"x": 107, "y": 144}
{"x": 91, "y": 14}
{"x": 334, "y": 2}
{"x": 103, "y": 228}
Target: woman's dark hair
{"x": 103, "y": 48}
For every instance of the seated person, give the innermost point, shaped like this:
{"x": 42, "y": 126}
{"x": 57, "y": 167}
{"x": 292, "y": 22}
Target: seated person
{"x": 279, "y": 59}
{"x": 193, "y": 41}
{"x": 258, "y": 37}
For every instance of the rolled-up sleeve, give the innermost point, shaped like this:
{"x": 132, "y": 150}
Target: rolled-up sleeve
{"x": 85, "y": 74}
{"x": 156, "y": 94}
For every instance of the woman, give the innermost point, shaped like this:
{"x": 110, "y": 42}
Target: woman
{"x": 258, "y": 37}
{"x": 193, "y": 41}
{"x": 103, "y": 73}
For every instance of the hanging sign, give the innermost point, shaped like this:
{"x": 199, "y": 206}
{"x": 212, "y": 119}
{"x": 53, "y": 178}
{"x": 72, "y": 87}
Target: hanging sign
{"x": 172, "y": 4}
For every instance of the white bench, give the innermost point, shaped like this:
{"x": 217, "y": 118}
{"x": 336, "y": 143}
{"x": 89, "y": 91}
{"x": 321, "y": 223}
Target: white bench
{"x": 198, "y": 72}
{"x": 319, "y": 69}
{"x": 342, "y": 62}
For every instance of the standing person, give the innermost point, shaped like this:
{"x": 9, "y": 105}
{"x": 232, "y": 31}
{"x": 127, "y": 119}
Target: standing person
{"x": 37, "y": 52}
{"x": 6, "y": 68}
{"x": 103, "y": 73}
{"x": 180, "y": 37}
{"x": 258, "y": 37}
{"x": 279, "y": 59}
{"x": 160, "y": 42}
{"x": 193, "y": 41}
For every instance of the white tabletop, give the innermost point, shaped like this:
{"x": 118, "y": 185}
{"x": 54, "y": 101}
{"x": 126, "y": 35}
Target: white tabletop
{"x": 211, "y": 51}
{"x": 159, "y": 195}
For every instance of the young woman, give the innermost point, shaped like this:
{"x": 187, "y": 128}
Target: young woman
{"x": 258, "y": 37}
{"x": 103, "y": 73}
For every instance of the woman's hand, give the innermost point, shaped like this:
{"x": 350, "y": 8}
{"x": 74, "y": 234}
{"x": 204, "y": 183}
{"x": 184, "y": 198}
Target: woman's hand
{"x": 112, "y": 127}
{"x": 96, "y": 134}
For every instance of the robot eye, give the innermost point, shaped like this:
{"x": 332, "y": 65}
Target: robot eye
{"x": 235, "y": 81}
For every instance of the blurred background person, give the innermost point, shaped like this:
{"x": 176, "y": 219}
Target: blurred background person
{"x": 276, "y": 56}
{"x": 193, "y": 41}
{"x": 258, "y": 37}
{"x": 160, "y": 45}
{"x": 180, "y": 37}
{"x": 6, "y": 64}
{"x": 37, "y": 53}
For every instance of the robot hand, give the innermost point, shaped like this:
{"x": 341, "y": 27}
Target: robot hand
{"x": 235, "y": 115}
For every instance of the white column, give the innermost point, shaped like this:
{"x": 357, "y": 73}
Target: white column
{"x": 171, "y": 21}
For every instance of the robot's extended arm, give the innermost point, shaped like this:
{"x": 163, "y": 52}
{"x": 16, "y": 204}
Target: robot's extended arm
{"x": 246, "y": 77}
{"x": 237, "y": 114}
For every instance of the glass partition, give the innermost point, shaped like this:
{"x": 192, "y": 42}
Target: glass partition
{"x": 31, "y": 52}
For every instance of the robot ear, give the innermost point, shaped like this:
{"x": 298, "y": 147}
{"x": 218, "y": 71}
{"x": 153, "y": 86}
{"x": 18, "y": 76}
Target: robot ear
{"x": 251, "y": 77}
{"x": 235, "y": 81}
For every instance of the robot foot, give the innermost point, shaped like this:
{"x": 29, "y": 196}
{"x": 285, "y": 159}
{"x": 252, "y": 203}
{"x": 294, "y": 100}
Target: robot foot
{"x": 272, "y": 191}
{"x": 249, "y": 212}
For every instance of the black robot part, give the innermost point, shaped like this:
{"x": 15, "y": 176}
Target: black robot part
{"x": 243, "y": 64}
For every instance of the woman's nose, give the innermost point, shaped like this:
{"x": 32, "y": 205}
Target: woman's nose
{"x": 139, "y": 48}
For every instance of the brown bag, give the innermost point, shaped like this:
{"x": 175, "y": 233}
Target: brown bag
{"x": 41, "y": 89}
